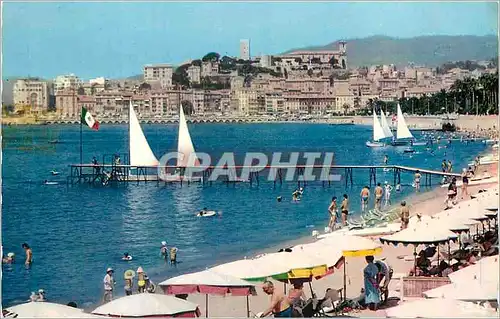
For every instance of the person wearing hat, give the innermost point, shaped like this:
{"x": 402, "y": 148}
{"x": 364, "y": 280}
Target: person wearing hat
{"x": 164, "y": 250}
{"x": 41, "y": 295}
{"x": 9, "y": 259}
{"x": 141, "y": 280}
{"x": 129, "y": 283}
{"x": 109, "y": 284}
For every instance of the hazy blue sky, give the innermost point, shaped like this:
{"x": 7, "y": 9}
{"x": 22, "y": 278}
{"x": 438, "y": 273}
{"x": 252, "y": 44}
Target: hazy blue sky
{"x": 115, "y": 39}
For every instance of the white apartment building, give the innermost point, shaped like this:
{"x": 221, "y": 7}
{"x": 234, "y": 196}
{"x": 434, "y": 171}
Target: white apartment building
{"x": 70, "y": 81}
{"x": 194, "y": 74}
{"x": 33, "y": 93}
{"x": 159, "y": 72}
{"x": 245, "y": 49}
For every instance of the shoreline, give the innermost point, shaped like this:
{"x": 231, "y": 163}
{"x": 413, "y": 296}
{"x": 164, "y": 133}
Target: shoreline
{"x": 422, "y": 122}
{"x": 426, "y": 203}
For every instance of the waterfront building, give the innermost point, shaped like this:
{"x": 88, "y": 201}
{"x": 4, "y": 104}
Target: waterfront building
{"x": 245, "y": 49}
{"x": 318, "y": 57}
{"x": 209, "y": 68}
{"x": 67, "y": 103}
{"x": 32, "y": 93}
{"x": 159, "y": 72}
{"x": 275, "y": 104}
{"x": 70, "y": 81}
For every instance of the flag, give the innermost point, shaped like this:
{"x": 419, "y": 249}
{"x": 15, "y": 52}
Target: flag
{"x": 88, "y": 119}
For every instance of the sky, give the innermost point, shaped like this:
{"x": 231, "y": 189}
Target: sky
{"x": 115, "y": 39}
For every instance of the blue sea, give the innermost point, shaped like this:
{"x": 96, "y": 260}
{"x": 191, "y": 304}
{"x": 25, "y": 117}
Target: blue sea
{"x": 76, "y": 232}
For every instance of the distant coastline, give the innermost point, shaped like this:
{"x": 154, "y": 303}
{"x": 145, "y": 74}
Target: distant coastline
{"x": 466, "y": 122}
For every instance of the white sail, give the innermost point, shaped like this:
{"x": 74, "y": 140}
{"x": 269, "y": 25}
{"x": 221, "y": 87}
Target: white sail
{"x": 385, "y": 125}
{"x": 140, "y": 152}
{"x": 402, "y": 131}
{"x": 185, "y": 145}
{"x": 378, "y": 132}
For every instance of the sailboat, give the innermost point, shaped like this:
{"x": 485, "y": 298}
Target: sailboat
{"x": 186, "y": 153}
{"x": 140, "y": 151}
{"x": 385, "y": 125}
{"x": 378, "y": 133}
{"x": 402, "y": 131}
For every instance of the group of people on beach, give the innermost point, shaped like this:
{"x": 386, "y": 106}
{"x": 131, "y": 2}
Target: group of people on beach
{"x": 377, "y": 276}
{"x": 333, "y": 211}
{"x": 144, "y": 284}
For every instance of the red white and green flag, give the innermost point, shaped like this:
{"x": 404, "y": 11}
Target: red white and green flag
{"x": 88, "y": 119}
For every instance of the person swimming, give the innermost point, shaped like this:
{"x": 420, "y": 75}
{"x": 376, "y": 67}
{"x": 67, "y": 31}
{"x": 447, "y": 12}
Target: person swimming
{"x": 279, "y": 198}
{"x": 295, "y": 195}
{"x": 126, "y": 257}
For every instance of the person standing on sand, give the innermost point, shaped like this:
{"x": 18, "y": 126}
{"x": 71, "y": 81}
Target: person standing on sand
{"x": 109, "y": 283}
{"x": 372, "y": 298}
{"x": 280, "y": 305}
{"x": 332, "y": 209}
{"x": 465, "y": 182}
{"x": 387, "y": 193}
{"x": 379, "y": 192}
{"x": 29, "y": 255}
{"x": 405, "y": 215}
{"x": 344, "y": 208}
{"x": 365, "y": 196}
{"x": 417, "y": 178}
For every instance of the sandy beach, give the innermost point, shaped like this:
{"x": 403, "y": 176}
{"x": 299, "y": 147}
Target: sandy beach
{"x": 428, "y": 203}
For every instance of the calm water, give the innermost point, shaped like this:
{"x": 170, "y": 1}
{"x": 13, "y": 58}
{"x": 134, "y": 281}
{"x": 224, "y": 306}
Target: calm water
{"x": 78, "y": 231}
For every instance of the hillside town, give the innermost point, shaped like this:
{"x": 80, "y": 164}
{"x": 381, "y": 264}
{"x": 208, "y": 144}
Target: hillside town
{"x": 292, "y": 85}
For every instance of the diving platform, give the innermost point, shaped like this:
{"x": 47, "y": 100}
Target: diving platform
{"x": 107, "y": 174}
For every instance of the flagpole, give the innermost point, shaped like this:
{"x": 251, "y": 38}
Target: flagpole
{"x": 81, "y": 138}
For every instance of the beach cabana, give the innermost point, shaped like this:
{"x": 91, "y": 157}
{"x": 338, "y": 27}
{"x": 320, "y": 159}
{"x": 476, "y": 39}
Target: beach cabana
{"x": 208, "y": 282}
{"x": 350, "y": 246}
{"x": 428, "y": 234}
{"x": 46, "y": 310}
{"x": 471, "y": 290}
{"x": 254, "y": 270}
{"x": 148, "y": 305}
{"x": 440, "y": 308}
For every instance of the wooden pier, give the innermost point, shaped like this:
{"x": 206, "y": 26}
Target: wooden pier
{"x": 112, "y": 174}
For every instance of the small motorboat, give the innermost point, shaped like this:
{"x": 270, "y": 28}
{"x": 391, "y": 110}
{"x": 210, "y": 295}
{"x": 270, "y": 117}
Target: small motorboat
{"x": 54, "y": 142}
{"x": 409, "y": 150}
{"x": 207, "y": 213}
{"x": 374, "y": 144}
{"x": 50, "y": 183}
{"x": 419, "y": 143}
{"x": 54, "y": 172}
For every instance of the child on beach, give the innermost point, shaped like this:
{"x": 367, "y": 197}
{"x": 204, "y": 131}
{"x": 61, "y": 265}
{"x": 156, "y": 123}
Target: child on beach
{"x": 405, "y": 215}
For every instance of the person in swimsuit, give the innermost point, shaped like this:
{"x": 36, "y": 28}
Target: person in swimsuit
{"x": 387, "y": 193}
{"x": 444, "y": 166}
{"x": 379, "y": 192}
{"x": 280, "y": 305}
{"x": 417, "y": 180}
{"x": 344, "y": 208}
{"x": 164, "y": 250}
{"x": 386, "y": 159}
{"x": 332, "y": 209}
{"x": 405, "y": 215}
{"x": 465, "y": 182}
{"x": 450, "y": 166}
{"x": 365, "y": 195}
{"x": 29, "y": 255}
{"x": 297, "y": 298}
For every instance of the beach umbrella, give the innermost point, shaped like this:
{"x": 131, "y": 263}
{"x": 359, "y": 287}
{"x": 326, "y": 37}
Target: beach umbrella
{"x": 425, "y": 234}
{"x": 148, "y": 305}
{"x": 255, "y": 269}
{"x": 301, "y": 265}
{"x": 351, "y": 246}
{"x": 46, "y": 310}
{"x": 208, "y": 282}
{"x": 485, "y": 270}
{"x": 440, "y": 308}
{"x": 471, "y": 290}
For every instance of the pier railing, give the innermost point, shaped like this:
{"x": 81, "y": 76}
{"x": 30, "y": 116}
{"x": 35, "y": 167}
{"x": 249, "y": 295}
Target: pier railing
{"x": 116, "y": 173}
